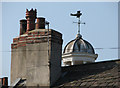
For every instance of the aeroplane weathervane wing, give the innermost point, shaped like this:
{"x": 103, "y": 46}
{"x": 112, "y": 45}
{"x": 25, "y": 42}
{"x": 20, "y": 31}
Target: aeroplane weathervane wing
{"x": 78, "y": 14}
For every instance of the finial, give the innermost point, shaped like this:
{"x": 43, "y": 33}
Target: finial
{"x": 35, "y": 10}
{"x": 31, "y": 10}
{"x": 26, "y": 10}
{"x": 78, "y": 14}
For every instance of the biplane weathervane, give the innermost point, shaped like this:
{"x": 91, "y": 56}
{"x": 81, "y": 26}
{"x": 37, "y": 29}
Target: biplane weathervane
{"x": 78, "y": 14}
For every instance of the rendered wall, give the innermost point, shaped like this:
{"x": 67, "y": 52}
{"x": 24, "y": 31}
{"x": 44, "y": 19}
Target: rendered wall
{"x": 38, "y": 72}
{"x": 18, "y": 63}
{"x": 30, "y": 59}
{"x": 55, "y": 62}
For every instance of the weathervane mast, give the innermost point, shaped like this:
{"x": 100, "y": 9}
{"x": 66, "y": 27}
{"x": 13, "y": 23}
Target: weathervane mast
{"x": 78, "y": 14}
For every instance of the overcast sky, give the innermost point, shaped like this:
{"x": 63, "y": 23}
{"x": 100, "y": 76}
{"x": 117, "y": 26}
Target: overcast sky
{"x": 101, "y": 29}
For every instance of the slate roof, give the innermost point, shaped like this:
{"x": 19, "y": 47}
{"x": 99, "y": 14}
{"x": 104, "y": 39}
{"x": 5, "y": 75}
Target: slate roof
{"x": 100, "y": 74}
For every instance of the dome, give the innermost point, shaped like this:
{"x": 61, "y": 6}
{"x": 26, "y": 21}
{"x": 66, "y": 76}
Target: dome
{"x": 79, "y": 45}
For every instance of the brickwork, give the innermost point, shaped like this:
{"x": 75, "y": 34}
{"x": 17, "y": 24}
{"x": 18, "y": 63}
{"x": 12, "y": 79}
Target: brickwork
{"x": 37, "y": 37}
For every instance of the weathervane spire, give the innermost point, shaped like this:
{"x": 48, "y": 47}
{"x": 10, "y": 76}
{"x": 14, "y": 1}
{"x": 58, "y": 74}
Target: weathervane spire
{"x": 78, "y": 14}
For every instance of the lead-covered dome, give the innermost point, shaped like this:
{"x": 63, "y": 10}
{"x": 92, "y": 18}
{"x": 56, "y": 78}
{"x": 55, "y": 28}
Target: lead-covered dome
{"x": 79, "y": 45}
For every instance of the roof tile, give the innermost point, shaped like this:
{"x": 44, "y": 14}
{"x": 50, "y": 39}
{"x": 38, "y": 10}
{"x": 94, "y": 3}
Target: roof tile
{"x": 101, "y": 74}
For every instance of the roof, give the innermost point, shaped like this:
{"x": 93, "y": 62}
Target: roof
{"x": 100, "y": 74}
{"x": 79, "y": 45}
{"x": 105, "y": 74}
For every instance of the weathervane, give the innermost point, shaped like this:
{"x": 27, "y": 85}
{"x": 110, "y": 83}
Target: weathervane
{"x": 78, "y": 14}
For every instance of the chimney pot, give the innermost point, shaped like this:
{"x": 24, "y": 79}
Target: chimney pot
{"x": 31, "y": 16}
{"x": 5, "y": 81}
{"x": 23, "y": 26}
{"x": 40, "y": 24}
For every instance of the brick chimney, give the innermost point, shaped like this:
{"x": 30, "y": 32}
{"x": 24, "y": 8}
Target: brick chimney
{"x": 30, "y": 16}
{"x": 36, "y": 56}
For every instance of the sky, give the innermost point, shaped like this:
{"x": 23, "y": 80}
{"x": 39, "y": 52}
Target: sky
{"x": 101, "y": 28}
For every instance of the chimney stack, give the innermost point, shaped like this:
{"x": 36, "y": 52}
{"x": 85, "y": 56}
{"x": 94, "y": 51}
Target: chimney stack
{"x": 38, "y": 68}
{"x": 4, "y": 81}
{"x": 40, "y": 24}
{"x": 30, "y": 16}
{"x": 23, "y": 26}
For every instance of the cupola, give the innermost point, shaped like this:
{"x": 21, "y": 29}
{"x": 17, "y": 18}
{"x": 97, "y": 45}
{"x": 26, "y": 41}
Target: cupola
{"x": 78, "y": 50}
